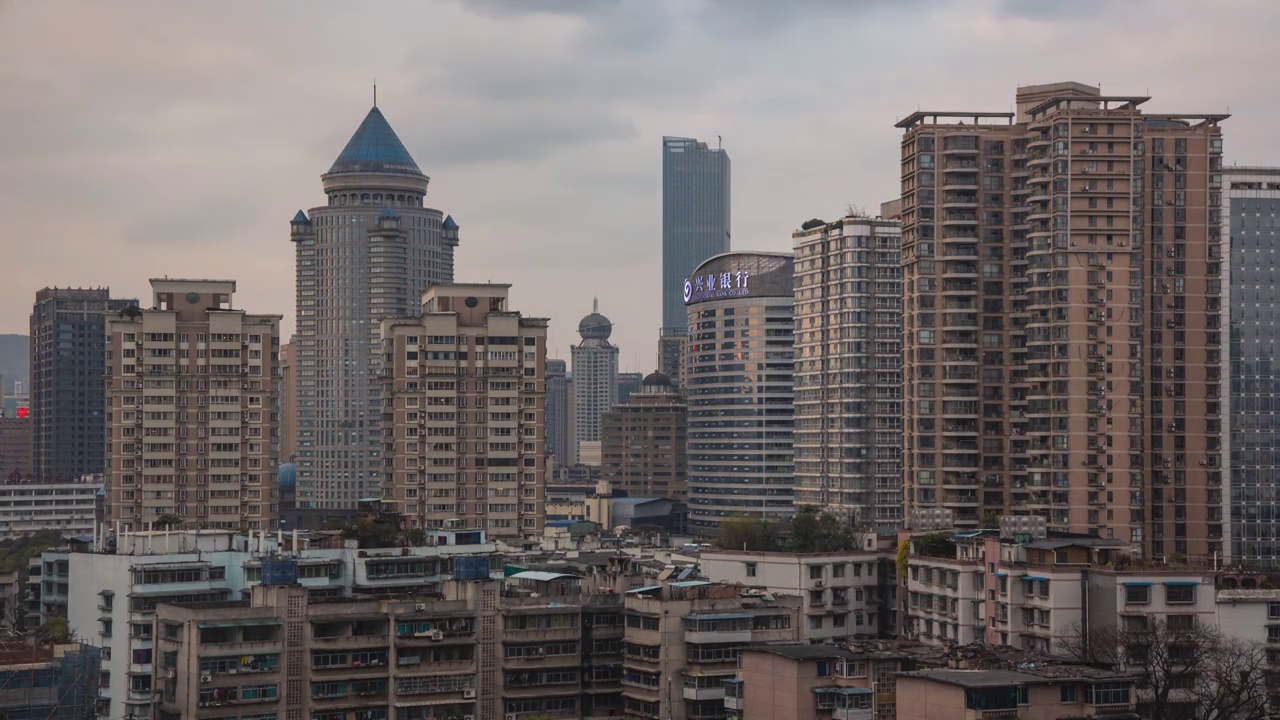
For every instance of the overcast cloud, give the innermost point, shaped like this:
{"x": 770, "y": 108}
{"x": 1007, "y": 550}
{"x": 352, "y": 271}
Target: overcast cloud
{"x": 148, "y": 138}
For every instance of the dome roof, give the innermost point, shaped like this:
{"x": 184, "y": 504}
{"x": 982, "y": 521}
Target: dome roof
{"x": 288, "y": 475}
{"x": 375, "y": 148}
{"x": 595, "y": 326}
{"x": 656, "y": 379}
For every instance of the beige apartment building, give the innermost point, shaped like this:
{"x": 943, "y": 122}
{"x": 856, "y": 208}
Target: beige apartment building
{"x": 684, "y": 639}
{"x": 1038, "y": 692}
{"x": 815, "y": 681}
{"x": 192, "y": 396}
{"x": 1062, "y": 321}
{"x": 848, "y": 377}
{"x": 643, "y": 442}
{"x": 464, "y": 402}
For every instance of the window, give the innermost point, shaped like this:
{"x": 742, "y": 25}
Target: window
{"x": 1068, "y": 693}
{"x": 815, "y": 572}
{"x": 1110, "y": 693}
{"x": 1180, "y": 593}
{"x": 751, "y": 569}
{"x": 1137, "y": 594}
{"x": 1273, "y": 610}
{"x": 837, "y": 570}
{"x": 1180, "y": 623}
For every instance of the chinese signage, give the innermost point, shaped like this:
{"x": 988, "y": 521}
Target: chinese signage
{"x": 717, "y": 285}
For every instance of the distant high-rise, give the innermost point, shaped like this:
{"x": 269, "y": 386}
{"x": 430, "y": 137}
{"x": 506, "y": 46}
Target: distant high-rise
{"x": 1251, "y": 214}
{"x": 695, "y": 218}
{"x": 628, "y": 383}
{"x": 364, "y": 256}
{"x": 1063, "y": 334}
{"x": 289, "y": 402}
{"x": 740, "y": 376}
{"x": 192, "y": 388}
{"x": 848, "y": 438}
{"x": 671, "y": 358}
{"x": 465, "y": 394}
{"x": 595, "y": 383}
{"x": 643, "y": 442}
{"x": 560, "y": 440}
{"x": 68, "y": 327}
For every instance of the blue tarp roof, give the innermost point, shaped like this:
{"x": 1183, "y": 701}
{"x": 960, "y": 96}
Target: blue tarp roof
{"x": 1181, "y": 582}
{"x": 646, "y": 588}
{"x": 691, "y": 583}
{"x": 1034, "y": 578}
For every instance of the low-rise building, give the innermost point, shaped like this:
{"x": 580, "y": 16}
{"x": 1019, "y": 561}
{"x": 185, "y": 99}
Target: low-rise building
{"x": 683, "y": 641}
{"x": 1035, "y": 591}
{"x": 116, "y": 592}
{"x": 1047, "y": 692}
{"x": 68, "y": 507}
{"x": 815, "y": 681}
{"x": 846, "y": 594}
{"x": 50, "y": 682}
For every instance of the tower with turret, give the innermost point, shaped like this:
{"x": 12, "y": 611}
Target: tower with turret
{"x": 595, "y": 382}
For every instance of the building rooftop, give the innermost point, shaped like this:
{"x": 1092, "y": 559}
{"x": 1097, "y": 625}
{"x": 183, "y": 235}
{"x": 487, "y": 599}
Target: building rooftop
{"x": 1233, "y": 596}
{"x": 375, "y": 148}
{"x": 803, "y": 652}
{"x": 1026, "y": 674}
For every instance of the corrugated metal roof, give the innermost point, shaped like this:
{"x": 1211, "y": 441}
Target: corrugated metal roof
{"x": 540, "y": 576}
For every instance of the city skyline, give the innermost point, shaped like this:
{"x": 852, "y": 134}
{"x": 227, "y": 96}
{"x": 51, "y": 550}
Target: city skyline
{"x": 92, "y": 159}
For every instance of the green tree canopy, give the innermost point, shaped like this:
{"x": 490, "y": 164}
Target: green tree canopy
{"x": 816, "y": 531}
{"x": 748, "y": 532}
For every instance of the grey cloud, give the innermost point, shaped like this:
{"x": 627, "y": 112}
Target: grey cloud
{"x": 530, "y": 7}
{"x": 224, "y": 220}
{"x": 491, "y": 135}
{"x": 1050, "y": 10}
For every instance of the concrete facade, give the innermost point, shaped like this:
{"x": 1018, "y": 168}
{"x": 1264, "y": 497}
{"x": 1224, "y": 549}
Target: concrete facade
{"x": 367, "y": 254}
{"x": 595, "y": 383}
{"x": 464, "y": 388}
{"x": 643, "y": 442}
{"x": 288, "y": 402}
{"x": 193, "y": 410}
{"x": 1063, "y": 328}
{"x": 848, "y": 397}
{"x": 16, "y": 460}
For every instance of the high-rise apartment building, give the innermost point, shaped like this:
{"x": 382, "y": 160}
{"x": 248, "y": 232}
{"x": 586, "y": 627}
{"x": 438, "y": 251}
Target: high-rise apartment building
{"x": 671, "y": 357}
{"x": 695, "y": 218}
{"x": 628, "y": 383}
{"x": 560, "y": 440}
{"x": 643, "y": 442}
{"x": 192, "y": 410}
{"x": 848, "y": 394}
{"x": 15, "y": 449}
{"x": 288, "y": 402}
{"x": 67, "y": 350}
{"x": 1250, "y": 219}
{"x": 1063, "y": 327}
{"x": 364, "y": 256}
{"x": 595, "y": 383}
{"x": 740, "y": 375}
{"x": 465, "y": 398}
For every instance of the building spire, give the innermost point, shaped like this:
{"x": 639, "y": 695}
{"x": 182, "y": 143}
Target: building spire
{"x": 375, "y": 92}
{"x": 595, "y": 304}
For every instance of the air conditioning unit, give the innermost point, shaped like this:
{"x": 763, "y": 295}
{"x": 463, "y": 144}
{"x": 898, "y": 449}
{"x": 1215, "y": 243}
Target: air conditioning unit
{"x": 512, "y": 716}
{"x": 171, "y": 674}
{"x": 206, "y": 678}
{"x": 436, "y": 635}
{"x": 420, "y": 606}
{"x": 469, "y": 693}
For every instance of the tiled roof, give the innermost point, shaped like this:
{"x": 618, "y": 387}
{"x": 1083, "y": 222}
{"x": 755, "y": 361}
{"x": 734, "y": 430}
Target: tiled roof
{"x": 375, "y": 148}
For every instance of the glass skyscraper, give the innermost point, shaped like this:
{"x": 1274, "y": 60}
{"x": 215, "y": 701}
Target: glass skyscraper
{"x": 695, "y": 218}
{"x": 1252, "y": 215}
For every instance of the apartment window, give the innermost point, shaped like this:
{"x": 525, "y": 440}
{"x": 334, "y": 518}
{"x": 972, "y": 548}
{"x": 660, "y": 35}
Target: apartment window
{"x": 815, "y": 572}
{"x": 1068, "y": 693}
{"x": 1179, "y": 593}
{"x": 1111, "y": 693}
{"x": 1180, "y": 623}
{"x": 751, "y": 569}
{"x": 1273, "y": 610}
{"x": 1137, "y": 594}
{"x": 837, "y": 570}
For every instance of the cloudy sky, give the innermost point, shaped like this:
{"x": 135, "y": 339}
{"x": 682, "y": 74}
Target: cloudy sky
{"x": 148, "y": 138}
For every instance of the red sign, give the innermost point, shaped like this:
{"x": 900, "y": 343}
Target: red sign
{"x": 23, "y": 412}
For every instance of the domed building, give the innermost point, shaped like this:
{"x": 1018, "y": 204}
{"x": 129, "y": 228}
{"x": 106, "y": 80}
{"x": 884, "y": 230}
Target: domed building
{"x": 595, "y": 382}
{"x": 364, "y": 255}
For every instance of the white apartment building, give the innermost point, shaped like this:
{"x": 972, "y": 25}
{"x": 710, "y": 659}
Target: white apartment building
{"x": 845, "y": 594}
{"x": 70, "y": 508}
{"x": 110, "y": 599}
{"x": 1031, "y": 593}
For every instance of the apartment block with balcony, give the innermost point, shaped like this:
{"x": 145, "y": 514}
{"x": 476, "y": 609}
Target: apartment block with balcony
{"x": 847, "y": 594}
{"x": 464, "y": 406}
{"x": 848, "y": 377}
{"x": 683, "y": 640}
{"x": 193, "y": 410}
{"x": 1063, "y": 317}
{"x": 1040, "y": 693}
{"x": 815, "y": 681}
{"x": 1036, "y": 592}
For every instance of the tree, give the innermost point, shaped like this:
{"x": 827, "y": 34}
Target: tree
{"x": 168, "y": 521}
{"x": 935, "y": 544}
{"x": 1184, "y": 671}
{"x": 55, "y": 630}
{"x": 748, "y": 532}
{"x": 812, "y": 223}
{"x": 814, "y": 531}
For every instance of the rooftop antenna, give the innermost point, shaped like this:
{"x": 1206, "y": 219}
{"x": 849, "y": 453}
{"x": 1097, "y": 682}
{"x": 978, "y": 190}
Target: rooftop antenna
{"x": 719, "y": 142}
{"x": 375, "y": 92}
{"x": 595, "y": 304}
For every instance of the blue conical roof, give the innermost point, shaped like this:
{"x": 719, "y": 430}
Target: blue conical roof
{"x": 375, "y": 148}
{"x": 449, "y": 223}
{"x": 301, "y": 217}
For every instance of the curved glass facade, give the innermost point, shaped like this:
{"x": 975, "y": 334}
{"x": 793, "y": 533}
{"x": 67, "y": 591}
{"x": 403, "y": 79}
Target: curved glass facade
{"x": 740, "y": 369}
